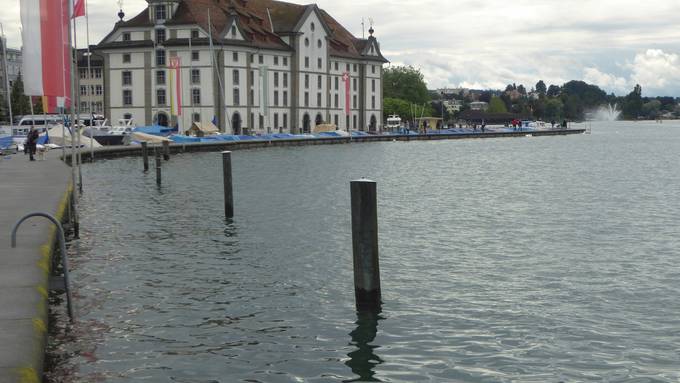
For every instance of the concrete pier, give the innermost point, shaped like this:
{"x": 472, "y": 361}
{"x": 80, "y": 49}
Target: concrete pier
{"x": 24, "y": 271}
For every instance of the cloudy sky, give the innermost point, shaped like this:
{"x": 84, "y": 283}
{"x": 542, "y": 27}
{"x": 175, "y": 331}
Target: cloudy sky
{"x": 488, "y": 44}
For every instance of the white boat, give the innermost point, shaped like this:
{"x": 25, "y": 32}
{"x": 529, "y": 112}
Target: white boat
{"x": 393, "y": 122}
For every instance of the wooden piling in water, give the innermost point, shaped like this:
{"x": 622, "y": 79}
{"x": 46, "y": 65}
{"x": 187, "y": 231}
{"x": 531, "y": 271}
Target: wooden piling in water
{"x": 365, "y": 244}
{"x": 166, "y": 150}
{"x": 145, "y": 155}
{"x": 228, "y": 191}
{"x": 157, "y": 154}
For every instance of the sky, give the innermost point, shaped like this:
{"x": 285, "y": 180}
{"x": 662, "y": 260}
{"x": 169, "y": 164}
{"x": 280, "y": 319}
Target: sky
{"x": 614, "y": 44}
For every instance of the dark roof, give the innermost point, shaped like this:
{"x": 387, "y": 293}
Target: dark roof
{"x": 252, "y": 19}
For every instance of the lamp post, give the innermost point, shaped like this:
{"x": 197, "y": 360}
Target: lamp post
{"x": 6, "y": 69}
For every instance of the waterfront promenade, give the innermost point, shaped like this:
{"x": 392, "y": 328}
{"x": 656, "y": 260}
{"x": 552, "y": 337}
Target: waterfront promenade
{"x": 25, "y": 187}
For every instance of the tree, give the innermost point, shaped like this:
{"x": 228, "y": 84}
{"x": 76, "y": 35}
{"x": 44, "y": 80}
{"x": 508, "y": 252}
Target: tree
{"x": 553, "y": 91}
{"x": 485, "y": 96}
{"x": 553, "y": 109}
{"x": 522, "y": 90}
{"x": 406, "y": 83}
{"x": 651, "y": 109}
{"x": 20, "y": 103}
{"x": 632, "y": 103}
{"x": 396, "y": 106}
{"x": 540, "y": 87}
{"x": 497, "y": 105}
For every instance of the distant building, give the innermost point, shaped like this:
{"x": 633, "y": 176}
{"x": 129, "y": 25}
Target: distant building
{"x": 91, "y": 86}
{"x": 12, "y": 70}
{"x": 275, "y": 66}
{"x": 479, "y": 105}
{"x": 453, "y": 106}
{"x": 453, "y": 91}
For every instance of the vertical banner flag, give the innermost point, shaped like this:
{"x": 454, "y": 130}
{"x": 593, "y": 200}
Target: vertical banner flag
{"x": 346, "y": 78}
{"x": 78, "y": 8}
{"x": 175, "y": 87}
{"x": 264, "y": 91}
{"x": 46, "y": 52}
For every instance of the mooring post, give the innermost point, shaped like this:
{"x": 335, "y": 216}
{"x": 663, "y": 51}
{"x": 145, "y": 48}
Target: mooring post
{"x": 157, "y": 154}
{"x": 365, "y": 244}
{"x": 145, "y": 154}
{"x": 166, "y": 150}
{"x": 228, "y": 193}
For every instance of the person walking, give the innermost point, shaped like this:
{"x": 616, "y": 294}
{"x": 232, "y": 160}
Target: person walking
{"x": 32, "y": 142}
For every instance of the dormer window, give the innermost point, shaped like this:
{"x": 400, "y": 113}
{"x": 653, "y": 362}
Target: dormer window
{"x": 160, "y": 36}
{"x": 161, "y": 12}
{"x": 233, "y": 31}
{"x": 126, "y": 36}
{"x": 194, "y": 33}
{"x": 312, "y": 27}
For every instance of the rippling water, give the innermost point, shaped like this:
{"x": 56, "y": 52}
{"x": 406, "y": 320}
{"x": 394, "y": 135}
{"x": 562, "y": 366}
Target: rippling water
{"x": 528, "y": 259}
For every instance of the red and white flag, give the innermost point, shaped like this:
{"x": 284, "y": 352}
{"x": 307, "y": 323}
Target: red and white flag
{"x": 176, "y": 85}
{"x": 46, "y": 68}
{"x": 78, "y": 8}
{"x": 346, "y": 78}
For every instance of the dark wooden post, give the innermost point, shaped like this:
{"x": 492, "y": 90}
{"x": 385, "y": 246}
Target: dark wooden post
{"x": 157, "y": 154}
{"x": 166, "y": 150}
{"x": 228, "y": 192}
{"x": 365, "y": 244}
{"x": 145, "y": 155}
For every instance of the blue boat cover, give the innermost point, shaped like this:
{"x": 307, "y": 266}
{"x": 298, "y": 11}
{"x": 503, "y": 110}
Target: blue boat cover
{"x": 155, "y": 130}
{"x": 6, "y": 142}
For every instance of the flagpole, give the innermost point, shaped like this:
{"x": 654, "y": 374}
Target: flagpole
{"x": 76, "y": 122}
{"x": 73, "y": 114}
{"x": 9, "y": 94}
{"x": 89, "y": 78}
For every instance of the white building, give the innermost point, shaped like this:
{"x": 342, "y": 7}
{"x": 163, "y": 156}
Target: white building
{"x": 296, "y": 54}
{"x": 479, "y": 105}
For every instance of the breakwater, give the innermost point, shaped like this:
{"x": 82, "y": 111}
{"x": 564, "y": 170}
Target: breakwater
{"x": 124, "y": 151}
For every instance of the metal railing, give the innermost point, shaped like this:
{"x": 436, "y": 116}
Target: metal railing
{"x": 62, "y": 247}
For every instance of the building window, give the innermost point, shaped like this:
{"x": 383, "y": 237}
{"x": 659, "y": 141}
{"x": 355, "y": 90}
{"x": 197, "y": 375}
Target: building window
{"x": 194, "y": 33}
{"x": 99, "y": 90}
{"x": 261, "y": 122}
{"x": 195, "y": 56}
{"x": 337, "y": 80}
{"x": 127, "y": 116}
{"x": 160, "y": 97}
{"x": 318, "y": 82}
{"x": 347, "y": 122}
{"x": 127, "y": 97}
{"x": 318, "y": 100}
{"x": 195, "y": 76}
{"x": 306, "y": 98}
{"x": 161, "y": 12}
{"x": 312, "y": 27}
{"x": 372, "y": 85}
{"x": 126, "y": 58}
{"x": 285, "y": 61}
{"x": 160, "y": 57}
{"x": 160, "y": 36}
{"x": 354, "y": 84}
{"x": 276, "y": 60}
{"x": 285, "y": 120}
{"x": 306, "y": 42}
{"x": 276, "y": 120}
{"x": 196, "y": 117}
{"x": 160, "y": 77}
{"x": 354, "y": 101}
{"x": 237, "y": 97}
{"x": 276, "y": 79}
{"x": 235, "y": 77}
{"x": 347, "y": 69}
{"x": 195, "y": 96}
{"x": 83, "y": 106}
{"x": 276, "y": 98}
{"x": 319, "y": 43}
{"x": 82, "y": 72}
{"x": 233, "y": 31}
{"x": 306, "y": 62}
{"x": 97, "y": 73}
{"x": 335, "y": 120}
{"x": 354, "y": 68}
{"x": 251, "y": 77}
{"x": 83, "y": 90}
{"x": 354, "y": 122}
{"x": 252, "y": 58}
{"x": 251, "y": 97}
{"x": 306, "y": 81}
{"x": 235, "y": 57}
{"x": 336, "y": 100}
{"x": 372, "y": 102}
{"x": 126, "y": 36}
{"x": 285, "y": 98}
{"x": 319, "y": 63}
{"x": 373, "y": 69}
{"x": 260, "y": 59}
{"x": 127, "y": 78}
{"x": 285, "y": 80}
{"x": 336, "y": 65}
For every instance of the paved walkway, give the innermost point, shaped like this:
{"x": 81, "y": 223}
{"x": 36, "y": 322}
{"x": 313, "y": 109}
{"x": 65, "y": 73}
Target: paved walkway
{"x": 27, "y": 187}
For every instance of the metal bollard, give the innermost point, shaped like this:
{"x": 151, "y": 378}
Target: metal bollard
{"x": 365, "y": 244}
{"x": 166, "y": 150}
{"x": 145, "y": 154}
{"x": 228, "y": 192}
{"x": 157, "y": 154}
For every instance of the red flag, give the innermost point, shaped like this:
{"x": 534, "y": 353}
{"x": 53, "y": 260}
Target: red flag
{"x": 78, "y": 8}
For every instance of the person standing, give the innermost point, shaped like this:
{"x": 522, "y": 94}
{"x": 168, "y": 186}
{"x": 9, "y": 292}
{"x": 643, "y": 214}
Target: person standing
{"x": 32, "y": 142}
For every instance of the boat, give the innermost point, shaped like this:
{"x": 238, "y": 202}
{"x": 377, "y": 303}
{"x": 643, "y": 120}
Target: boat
{"x": 393, "y": 122}
{"x": 119, "y": 134}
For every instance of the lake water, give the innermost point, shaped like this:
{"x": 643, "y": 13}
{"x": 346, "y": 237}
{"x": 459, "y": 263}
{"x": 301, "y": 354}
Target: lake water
{"x": 503, "y": 260}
